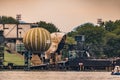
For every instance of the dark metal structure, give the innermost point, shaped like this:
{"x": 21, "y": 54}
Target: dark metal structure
{"x": 1, "y": 48}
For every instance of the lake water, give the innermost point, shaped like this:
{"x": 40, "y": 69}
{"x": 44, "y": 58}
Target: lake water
{"x": 52, "y": 75}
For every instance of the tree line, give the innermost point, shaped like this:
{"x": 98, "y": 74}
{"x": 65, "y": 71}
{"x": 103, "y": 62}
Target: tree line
{"x": 103, "y": 40}
{"x": 10, "y": 20}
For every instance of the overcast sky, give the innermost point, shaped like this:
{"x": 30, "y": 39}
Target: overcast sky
{"x": 65, "y": 14}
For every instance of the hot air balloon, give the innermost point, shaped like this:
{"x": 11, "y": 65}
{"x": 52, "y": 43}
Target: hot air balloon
{"x": 37, "y": 40}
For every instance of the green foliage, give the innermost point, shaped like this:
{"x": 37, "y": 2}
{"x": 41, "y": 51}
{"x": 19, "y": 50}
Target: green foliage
{"x": 112, "y": 45}
{"x": 117, "y": 24}
{"x": 111, "y": 26}
{"x": 102, "y": 40}
{"x": 72, "y": 33}
{"x": 70, "y": 40}
{"x": 112, "y": 39}
{"x": 116, "y": 31}
{"x": 7, "y": 20}
{"x": 93, "y": 34}
{"x": 49, "y": 26}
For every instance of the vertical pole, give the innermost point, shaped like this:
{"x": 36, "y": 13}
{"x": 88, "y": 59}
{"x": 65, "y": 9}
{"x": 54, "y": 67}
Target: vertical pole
{"x": 17, "y": 31}
{"x": 20, "y": 43}
{"x": 3, "y": 27}
{"x": 27, "y": 60}
{"x": 29, "y": 55}
{"x": 18, "y": 18}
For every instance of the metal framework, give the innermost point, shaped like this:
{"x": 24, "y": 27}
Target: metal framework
{"x": 14, "y": 32}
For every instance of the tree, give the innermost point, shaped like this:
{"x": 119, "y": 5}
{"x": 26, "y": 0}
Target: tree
{"x": 110, "y": 26}
{"x": 112, "y": 39}
{"x": 93, "y": 34}
{"x": 94, "y": 37}
{"x": 117, "y": 24}
{"x": 103, "y": 39}
{"x": 86, "y": 25}
{"x": 116, "y": 31}
{"x": 70, "y": 40}
{"x": 112, "y": 45}
{"x": 7, "y": 20}
{"x": 49, "y": 26}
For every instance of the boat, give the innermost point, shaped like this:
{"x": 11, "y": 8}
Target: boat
{"x": 116, "y": 71}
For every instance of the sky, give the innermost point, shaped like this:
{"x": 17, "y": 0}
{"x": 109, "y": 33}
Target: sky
{"x": 65, "y": 14}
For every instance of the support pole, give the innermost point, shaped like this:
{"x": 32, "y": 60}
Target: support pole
{"x": 27, "y": 56}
